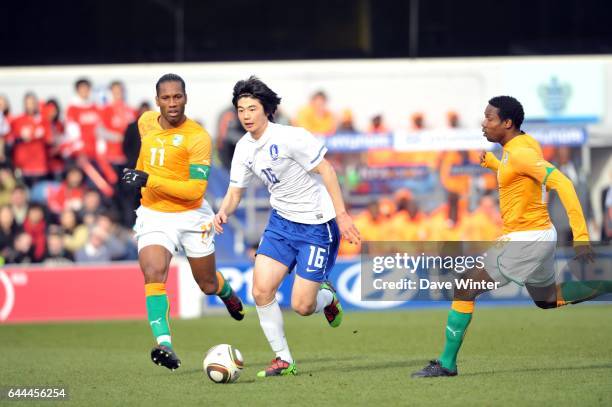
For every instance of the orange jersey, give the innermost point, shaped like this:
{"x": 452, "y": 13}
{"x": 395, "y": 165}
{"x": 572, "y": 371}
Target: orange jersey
{"x": 524, "y": 177}
{"x": 480, "y": 226}
{"x": 177, "y": 161}
{"x": 324, "y": 125}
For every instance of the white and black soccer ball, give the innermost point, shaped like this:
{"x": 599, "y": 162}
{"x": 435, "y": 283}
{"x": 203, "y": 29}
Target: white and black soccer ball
{"x": 223, "y": 364}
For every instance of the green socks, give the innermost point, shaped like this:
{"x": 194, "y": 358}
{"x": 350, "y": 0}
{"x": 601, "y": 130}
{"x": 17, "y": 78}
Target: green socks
{"x": 157, "y": 312}
{"x": 225, "y": 290}
{"x": 460, "y": 315}
{"x": 572, "y": 292}
{"x": 459, "y": 318}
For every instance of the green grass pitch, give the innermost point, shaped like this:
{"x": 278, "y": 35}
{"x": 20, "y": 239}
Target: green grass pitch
{"x": 511, "y": 356}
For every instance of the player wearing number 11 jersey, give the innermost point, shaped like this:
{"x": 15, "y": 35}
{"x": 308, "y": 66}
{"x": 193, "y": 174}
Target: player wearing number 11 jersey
{"x": 308, "y": 216}
{"x": 172, "y": 170}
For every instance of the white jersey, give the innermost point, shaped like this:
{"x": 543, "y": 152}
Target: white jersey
{"x": 282, "y": 159}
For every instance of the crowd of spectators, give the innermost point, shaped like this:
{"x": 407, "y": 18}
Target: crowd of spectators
{"x": 401, "y": 218}
{"x": 449, "y": 188}
{"x": 60, "y": 200}
{"x": 59, "y": 190}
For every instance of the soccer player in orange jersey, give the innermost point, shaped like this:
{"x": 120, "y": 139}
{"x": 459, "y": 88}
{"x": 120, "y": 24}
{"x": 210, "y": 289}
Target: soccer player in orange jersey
{"x": 172, "y": 170}
{"x": 525, "y": 252}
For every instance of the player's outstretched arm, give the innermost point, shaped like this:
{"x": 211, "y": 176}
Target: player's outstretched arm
{"x": 569, "y": 199}
{"x": 330, "y": 180}
{"x": 527, "y": 162}
{"x": 488, "y": 160}
{"x": 228, "y": 206}
{"x": 565, "y": 189}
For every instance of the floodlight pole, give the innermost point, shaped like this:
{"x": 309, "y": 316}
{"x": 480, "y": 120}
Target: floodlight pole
{"x": 414, "y": 29}
{"x": 177, "y": 8}
{"x": 179, "y": 31}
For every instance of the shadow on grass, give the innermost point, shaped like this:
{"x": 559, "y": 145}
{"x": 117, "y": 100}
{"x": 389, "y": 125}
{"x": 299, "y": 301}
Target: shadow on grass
{"x": 327, "y": 359}
{"x": 538, "y": 369}
{"x": 304, "y": 367}
{"x": 365, "y": 366}
{"x": 199, "y": 372}
{"x": 409, "y": 364}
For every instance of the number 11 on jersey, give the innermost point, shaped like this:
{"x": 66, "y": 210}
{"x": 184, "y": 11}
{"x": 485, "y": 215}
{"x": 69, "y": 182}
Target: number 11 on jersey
{"x": 154, "y": 151}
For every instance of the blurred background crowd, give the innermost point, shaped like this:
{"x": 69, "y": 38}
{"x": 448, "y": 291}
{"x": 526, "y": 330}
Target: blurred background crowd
{"x": 60, "y": 162}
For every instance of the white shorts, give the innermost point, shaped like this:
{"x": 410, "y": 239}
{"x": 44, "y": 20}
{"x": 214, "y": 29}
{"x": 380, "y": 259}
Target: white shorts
{"x": 524, "y": 258}
{"x": 191, "y": 230}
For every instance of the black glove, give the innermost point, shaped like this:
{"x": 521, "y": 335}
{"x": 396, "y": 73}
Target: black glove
{"x": 134, "y": 178}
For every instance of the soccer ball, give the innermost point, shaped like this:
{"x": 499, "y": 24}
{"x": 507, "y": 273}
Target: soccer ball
{"x": 223, "y": 364}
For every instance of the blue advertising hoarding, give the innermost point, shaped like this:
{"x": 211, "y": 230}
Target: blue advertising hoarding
{"x": 346, "y": 277}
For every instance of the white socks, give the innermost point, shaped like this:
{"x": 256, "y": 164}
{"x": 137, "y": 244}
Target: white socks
{"x": 324, "y": 298}
{"x": 271, "y": 321}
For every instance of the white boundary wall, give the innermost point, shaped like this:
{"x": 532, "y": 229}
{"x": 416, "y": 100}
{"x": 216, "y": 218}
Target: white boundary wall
{"x": 396, "y": 88}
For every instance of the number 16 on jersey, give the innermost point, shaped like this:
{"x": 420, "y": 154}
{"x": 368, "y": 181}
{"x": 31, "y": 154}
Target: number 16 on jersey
{"x": 270, "y": 175}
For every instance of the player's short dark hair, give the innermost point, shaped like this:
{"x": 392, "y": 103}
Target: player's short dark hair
{"x": 255, "y": 88}
{"x": 82, "y": 81}
{"x": 170, "y": 77}
{"x": 509, "y": 108}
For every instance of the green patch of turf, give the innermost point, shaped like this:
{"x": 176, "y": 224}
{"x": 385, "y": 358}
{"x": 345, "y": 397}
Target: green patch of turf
{"x": 510, "y": 356}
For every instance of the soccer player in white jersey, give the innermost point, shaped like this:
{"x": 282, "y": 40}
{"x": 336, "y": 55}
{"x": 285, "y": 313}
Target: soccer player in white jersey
{"x": 308, "y": 216}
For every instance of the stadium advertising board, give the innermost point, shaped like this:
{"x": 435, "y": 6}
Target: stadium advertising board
{"x": 342, "y": 143}
{"x": 450, "y": 139}
{"x": 554, "y": 92}
{"x": 347, "y": 279}
{"x": 472, "y": 139}
{"x": 114, "y": 292}
{"x": 359, "y": 284}
{"x": 85, "y": 293}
